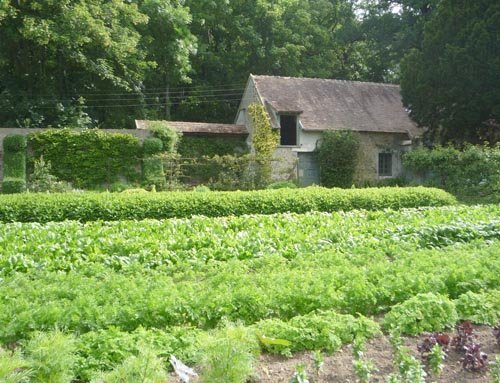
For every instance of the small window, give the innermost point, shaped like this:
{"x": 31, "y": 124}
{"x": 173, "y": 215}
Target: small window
{"x": 385, "y": 164}
{"x": 288, "y": 131}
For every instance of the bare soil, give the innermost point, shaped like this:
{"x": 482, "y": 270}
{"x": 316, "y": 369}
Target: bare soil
{"x": 337, "y": 368}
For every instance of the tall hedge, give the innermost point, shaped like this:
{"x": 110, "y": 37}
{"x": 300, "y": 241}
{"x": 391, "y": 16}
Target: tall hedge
{"x": 152, "y": 164}
{"x": 14, "y": 164}
{"x": 337, "y": 155}
{"x": 88, "y": 158}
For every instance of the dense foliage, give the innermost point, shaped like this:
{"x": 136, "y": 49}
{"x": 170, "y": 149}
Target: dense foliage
{"x": 108, "y": 63}
{"x": 450, "y": 82}
{"x": 473, "y": 171}
{"x": 337, "y": 156}
{"x": 265, "y": 140}
{"x": 111, "y": 207}
{"x": 297, "y": 282}
{"x": 199, "y": 146}
{"x": 14, "y": 164}
{"x": 88, "y": 158}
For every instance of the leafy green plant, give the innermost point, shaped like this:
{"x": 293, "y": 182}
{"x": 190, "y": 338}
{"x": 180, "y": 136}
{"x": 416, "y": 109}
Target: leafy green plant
{"x": 51, "y": 356}
{"x": 318, "y": 361}
{"x": 423, "y": 312}
{"x": 480, "y": 308}
{"x": 410, "y": 369}
{"x": 436, "y": 359}
{"x": 145, "y": 367}
{"x": 300, "y": 375}
{"x": 13, "y": 368}
{"x": 337, "y": 155}
{"x": 228, "y": 355}
{"x": 495, "y": 370}
{"x": 167, "y": 135}
{"x": 152, "y": 146}
{"x": 42, "y": 180}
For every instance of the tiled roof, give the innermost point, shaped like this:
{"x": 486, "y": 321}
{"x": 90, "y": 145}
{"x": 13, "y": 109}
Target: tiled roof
{"x": 338, "y": 104}
{"x": 198, "y": 127}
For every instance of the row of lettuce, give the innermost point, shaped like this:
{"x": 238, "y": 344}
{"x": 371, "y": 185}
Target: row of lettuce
{"x": 170, "y": 244}
{"x": 290, "y": 282}
{"x": 113, "y": 207}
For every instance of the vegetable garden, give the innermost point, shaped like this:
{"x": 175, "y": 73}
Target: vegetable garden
{"x": 119, "y": 298}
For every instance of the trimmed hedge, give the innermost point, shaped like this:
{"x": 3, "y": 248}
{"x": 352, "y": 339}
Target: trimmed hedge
{"x": 13, "y": 143}
{"x": 112, "y": 207}
{"x": 14, "y": 164}
{"x": 88, "y": 158}
{"x": 11, "y": 185}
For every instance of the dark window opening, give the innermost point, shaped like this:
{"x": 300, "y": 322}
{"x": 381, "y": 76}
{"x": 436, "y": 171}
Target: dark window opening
{"x": 385, "y": 164}
{"x": 288, "y": 131}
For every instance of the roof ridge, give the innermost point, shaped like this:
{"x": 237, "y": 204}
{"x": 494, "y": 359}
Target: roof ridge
{"x": 329, "y": 80}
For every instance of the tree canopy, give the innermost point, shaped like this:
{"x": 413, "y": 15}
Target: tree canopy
{"x": 105, "y": 63}
{"x": 451, "y": 82}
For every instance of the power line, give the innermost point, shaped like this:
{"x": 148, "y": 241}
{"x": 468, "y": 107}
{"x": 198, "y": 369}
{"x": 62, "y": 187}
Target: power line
{"x": 239, "y": 93}
{"x": 145, "y": 105}
{"x": 182, "y": 89}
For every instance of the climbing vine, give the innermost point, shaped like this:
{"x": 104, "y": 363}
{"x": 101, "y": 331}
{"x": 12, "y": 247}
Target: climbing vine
{"x": 265, "y": 140}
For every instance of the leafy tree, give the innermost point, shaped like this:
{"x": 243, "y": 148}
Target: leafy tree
{"x": 56, "y": 56}
{"x": 451, "y": 83}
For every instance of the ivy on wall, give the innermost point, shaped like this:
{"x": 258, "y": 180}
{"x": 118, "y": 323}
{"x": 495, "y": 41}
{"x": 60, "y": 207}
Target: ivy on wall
{"x": 88, "y": 158}
{"x": 337, "y": 155}
{"x": 199, "y": 146}
{"x": 265, "y": 140}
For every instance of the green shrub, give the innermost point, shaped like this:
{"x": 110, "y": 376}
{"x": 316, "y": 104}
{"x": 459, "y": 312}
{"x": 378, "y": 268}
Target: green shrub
{"x": 337, "y": 155}
{"x": 111, "y": 207}
{"x": 51, "y": 356}
{"x": 103, "y": 350}
{"x": 325, "y": 330}
{"x": 13, "y": 143}
{"x": 14, "y": 164}
{"x": 42, "y": 179}
{"x": 471, "y": 171}
{"x": 282, "y": 185}
{"x": 209, "y": 146}
{"x": 480, "y": 308}
{"x": 153, "y": 174}
{"x": 423, "y": 312}
{"x": 13, "y": 185}
{"x": 201, "y": 189}
{"x": 88, "y": 158}
{"x": 169, "y": 136}
{"x": 146, "y": 367}
{"x": 227, "y": 355}
{"x": 13, "y": 368}
{"x": 152, "y": 146}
